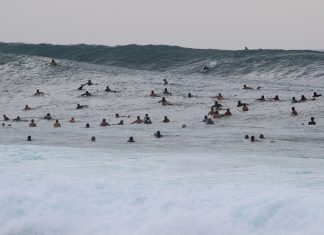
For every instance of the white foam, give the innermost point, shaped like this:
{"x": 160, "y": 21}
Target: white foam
{"x": 51, "y": 190}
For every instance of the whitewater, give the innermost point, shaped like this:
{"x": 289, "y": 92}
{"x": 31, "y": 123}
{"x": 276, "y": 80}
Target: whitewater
{"x": 201, "y": 179}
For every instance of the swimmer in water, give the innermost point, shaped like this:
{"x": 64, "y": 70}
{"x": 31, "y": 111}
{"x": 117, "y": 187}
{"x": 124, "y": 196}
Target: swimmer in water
{"x": 239, "y": 104}
{"x": 293, "y": 112}
{"x": 86, "y": 94}
{"x": 302, "y": 99}
{"x": 261, "y": 99}
{"x": 104, "y": 123}
{"x": 165, "y": 82}
{"x": 316, "y": 95}
{"x": 219, "y": 97}
{"x": 57, "y": 124}
{"x": 109, "y": 90}
{"x": 39, "y": 93}
{"x": 211, "y": 112}
{"x": 163, "y": 101}
{"x": 312, "y": 121}
{"x": 246, "y": 137}
{"x": 17, "y": 119}
{"x": 294, "y": 100}
{"x": 147, "y": 119}
{"x": 81, "y": 106}
{"x": 166, "y": 119}
{"x": 205, "y": 119}
{"x": 153, "y": 94}
{"x": 217, "y": 105}
{"x": 81, "y": 87}
{"x": 131, "y": 140}
{"x": 72, "y": 120}
{"x": 166, "y": 92}
{"x": 93, "y": 139}
{"x": 5, "y": 118}
{"x": 53, "y": 62}
{"x": 276, "y": 98}
{"x": 209, "y": 121}
{"x": 158, "y": 134}
{"x": 138, "y": 120}
{"x": 228, "y": 112}
{"x": 245, "y": 108}
{"x": 189, "y": 95}
{"x": 27, "y": 108}
{"x": 216, "y": 115}
{"x": 48, "y": 116}
{"x": 261, "y": 137}
{"x": 247, "y": 87}
{"x": 32, "y": 123}
{"x": 121, "y": 122}
{"x": 87, "y": 125}
{"x": 89, "y": 83}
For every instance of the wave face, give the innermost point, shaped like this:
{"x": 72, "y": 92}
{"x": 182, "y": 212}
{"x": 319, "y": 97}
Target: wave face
{"x": 279, "y": 63}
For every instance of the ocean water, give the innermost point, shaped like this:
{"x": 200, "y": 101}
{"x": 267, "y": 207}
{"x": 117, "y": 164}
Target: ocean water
{"x": 202, "y": 179}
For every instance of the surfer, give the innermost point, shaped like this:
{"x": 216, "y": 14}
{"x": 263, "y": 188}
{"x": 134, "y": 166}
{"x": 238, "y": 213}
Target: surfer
{"x": 312, "y": 121}
{"x": 39, "y": 93}
{"x": 53, "y": 63}
{"x": 294, "y": 100}
{"x": 153, "y": 94}
{"x": 245, "y": 108}
{"x": 166, "y": 92}
{"x": 109, "y": 90}
{"x": 17, "y": 119}
{"x": 316, "y": 95}
{"x": 261, "y": 99}
{"x": 166, "y": 119}
{"x": 211, "y": 112}
{"x": 246, "y": 49}
{"x": 302, "y": 99}
{"x": 57, "y": 124}
{"x": 163, "y": 101}
{"x": 48, "y": 116}
{"x": 81, "y": 87}
{"x": 5, "y": 118}
{"x": 89, "y": 83}
{"x": 205, "y": 119}
{"x": 209, "y": 121}
{"x": 276, "y": 98}
{"x": 219, "y": 97}
{"x": 293, "y": 111}
{"x": 158, "y": 134}
{"x": 205, "y": 69}
{"x": 247, "y": 87}
{"x": 228, "y": 112}
{"x": 86, "y": 94}
{"x": 147, "y": 119}
{"x": 81, "y": 106}
{"x": 72, "y": 120}
{"x": 27, "y": 108}
{"x": 239, "y": 104}
{"x": 131, "y": 140}
{"x": 217, "y": 105}
{"x": 165, "y": 82}
{"x": 138, "y": 120}
{"x": 121, "y": 122}
{"x": 104, "y": 123}
{"x": 32, "y": 123}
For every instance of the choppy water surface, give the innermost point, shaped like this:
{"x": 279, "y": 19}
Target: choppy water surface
{"x": 202, "y": 179}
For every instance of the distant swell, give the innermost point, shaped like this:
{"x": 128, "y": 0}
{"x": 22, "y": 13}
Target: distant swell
{"x": 186, "y": 60}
